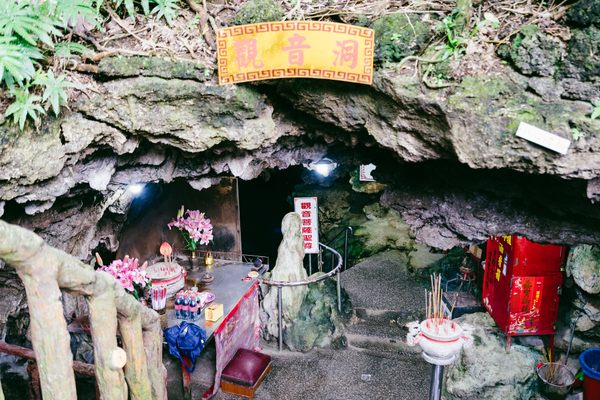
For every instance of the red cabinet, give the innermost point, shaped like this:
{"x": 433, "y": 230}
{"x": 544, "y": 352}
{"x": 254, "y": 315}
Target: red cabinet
{"x": 521, "y": 284}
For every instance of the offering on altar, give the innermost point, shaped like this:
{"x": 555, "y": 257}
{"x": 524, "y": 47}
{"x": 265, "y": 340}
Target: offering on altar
{"x": 168, "y": 274}
{"x": 158, "y": 296}
{"x": 189, "y": 303}
{"x": 213, "y": 312}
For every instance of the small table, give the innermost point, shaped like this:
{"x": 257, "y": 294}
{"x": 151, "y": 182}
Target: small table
{"x": 228, "y": 288}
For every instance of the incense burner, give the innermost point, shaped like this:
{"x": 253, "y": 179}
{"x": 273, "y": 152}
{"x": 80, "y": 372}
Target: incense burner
{"x": 440, "y": 339}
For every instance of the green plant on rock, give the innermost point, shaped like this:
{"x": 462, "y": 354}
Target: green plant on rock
{"x": 596, "y": 110}
{"x": 167, "y": 9}
{"x": 32, "y": 32}
{"x": 255, "y": 11}
{"x": 576, "y": 134}
{"x": 399, "y": 35}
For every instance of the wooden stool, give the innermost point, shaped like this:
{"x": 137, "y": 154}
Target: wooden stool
{"x": 245, "y": 372}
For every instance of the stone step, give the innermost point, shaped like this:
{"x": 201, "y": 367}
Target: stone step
{"x": 377, "y": 315}
{"x": 396, "y": 347}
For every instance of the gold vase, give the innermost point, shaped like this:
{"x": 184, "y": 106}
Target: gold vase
{"x": 209, "y": 259}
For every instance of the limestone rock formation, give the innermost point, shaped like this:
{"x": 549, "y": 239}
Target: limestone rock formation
{"x": 289, "y": 267}
{"x": 584, "y": 265}
{"x": 485, "y": 370}
{"x": 383, "y": 230}
{"x": 318, "y": 324}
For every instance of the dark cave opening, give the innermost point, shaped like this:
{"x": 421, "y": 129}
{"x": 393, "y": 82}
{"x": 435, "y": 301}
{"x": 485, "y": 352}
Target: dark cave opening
{"x": 263, "y": 203}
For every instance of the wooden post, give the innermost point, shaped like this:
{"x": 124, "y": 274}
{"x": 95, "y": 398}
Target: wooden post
{"x": 35, "y": 390}
{"x": 49, "y": 335}
{"x": 136, "y": 369}
{"x": 108, "y": 358}
{"x": 156, "y": 370}
{"x": 43, "y": 269}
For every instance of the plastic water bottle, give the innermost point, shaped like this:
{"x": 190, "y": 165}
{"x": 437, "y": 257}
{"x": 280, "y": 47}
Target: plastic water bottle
{"x": 178, "y": 301}
{"x": 193, "y": 311}
{"x": 185, "y": 309}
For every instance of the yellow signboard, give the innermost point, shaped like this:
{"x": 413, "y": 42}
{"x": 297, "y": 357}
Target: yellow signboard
{"x": 295, "y": 49}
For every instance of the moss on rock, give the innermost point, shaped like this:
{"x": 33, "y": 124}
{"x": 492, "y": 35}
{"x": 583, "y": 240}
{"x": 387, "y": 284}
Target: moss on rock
{"x": 583, "y": 54}
{"x": 399, "y": 35}
{"x": 584, "y": 13}
{"x": 153, "y": 66}
{"x": 584, "y": 265}
{"x": 255, "y": 11}
{"x": 533, "y": 52}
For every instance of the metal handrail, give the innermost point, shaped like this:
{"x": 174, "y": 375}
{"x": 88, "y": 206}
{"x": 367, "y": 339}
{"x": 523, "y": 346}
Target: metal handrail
{"x": 281, "y": 284}
{"x": 336, "y": 237}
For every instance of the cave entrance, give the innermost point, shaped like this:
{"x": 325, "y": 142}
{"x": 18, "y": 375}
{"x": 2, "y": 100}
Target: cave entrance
{"x": 263, "y": 203}
{"x": 157, "y": 205}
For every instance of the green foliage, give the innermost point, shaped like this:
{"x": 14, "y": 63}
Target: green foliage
{"x": 25, "y": 105}
{"x": 577, "y": 134}
{"x": 54, "y": 94}
{"x": 596, "y": 110}
{"x": 455, "y": 43}
{"x": 399, "y": 35}
{"x": 32, "y": 31}
{"x": 166, "y": 9}
{"x": 254, "y": 11}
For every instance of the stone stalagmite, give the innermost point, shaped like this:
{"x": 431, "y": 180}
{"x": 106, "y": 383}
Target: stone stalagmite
{"x": 288, "y": 267}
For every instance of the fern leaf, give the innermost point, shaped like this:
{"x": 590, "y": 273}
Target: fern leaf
{"x": 146, "y": 6}
{"x": 70, "y": 12}
{"x": 22, "y": 19}
{"x": 16, "y": 61}
{"x": 24, "y": 105}
{"x": 55, "y": 94}
{"x": 166, "y": 9}
{"x": 130, "y": 8}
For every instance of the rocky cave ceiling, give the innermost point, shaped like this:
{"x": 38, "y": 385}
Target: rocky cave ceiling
{"x": 453, "y": 170}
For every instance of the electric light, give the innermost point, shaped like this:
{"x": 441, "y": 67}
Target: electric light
{"x": 136, "y": 188}
{"x": 323, "y": 167}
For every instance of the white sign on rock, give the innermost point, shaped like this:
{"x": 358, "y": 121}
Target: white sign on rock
{"x": 307, "y": 208}
{"x": 365, "y": 172}
{"x": 543, "y": 138}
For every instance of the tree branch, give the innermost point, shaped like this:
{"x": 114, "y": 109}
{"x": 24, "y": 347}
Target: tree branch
{"x": 208, "y": 35}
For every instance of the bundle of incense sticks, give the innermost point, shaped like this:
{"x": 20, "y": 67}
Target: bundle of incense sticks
{"x": 433, "y": 300}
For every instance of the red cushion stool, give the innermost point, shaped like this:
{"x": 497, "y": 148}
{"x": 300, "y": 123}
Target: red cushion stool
{"x": 245, "y": 372}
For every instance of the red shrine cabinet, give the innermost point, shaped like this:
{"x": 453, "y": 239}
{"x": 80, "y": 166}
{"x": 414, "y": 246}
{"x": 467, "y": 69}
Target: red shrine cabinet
{"x": 521, "y": 284}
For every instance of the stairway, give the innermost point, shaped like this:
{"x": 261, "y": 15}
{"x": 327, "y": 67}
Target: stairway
{"x": 384, "y": 297}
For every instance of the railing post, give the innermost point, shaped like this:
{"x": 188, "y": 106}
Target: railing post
{"x": 320, "y": 260}
{"x": 108, "y": 357}
{"x": 346, "y": 247}
{"x": 339, "y": 291}
{"x": 49, "y": 334}
{"x": 136, "y": 369}
{"x": 279, "y": 316}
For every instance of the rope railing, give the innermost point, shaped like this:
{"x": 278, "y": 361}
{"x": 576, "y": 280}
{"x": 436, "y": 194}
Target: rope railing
{"x": 281, "y": 284}
{"x": 134, "y": 371}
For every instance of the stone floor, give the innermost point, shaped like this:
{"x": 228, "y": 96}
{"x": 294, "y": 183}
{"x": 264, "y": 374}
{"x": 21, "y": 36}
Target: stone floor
{"x": 377, "y": 364}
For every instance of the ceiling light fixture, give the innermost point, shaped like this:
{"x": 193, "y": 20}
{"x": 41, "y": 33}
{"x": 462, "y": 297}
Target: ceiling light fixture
{"x": 136, "y": 188}
{"x": 323, "y": 167}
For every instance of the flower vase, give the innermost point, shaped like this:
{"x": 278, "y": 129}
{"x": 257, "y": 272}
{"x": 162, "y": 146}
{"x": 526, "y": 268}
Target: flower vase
{"x": 194, "y": 262}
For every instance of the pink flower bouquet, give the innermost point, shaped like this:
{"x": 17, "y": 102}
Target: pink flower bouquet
{"x": 128, "y": 273}
{"x": 195, "y": 228}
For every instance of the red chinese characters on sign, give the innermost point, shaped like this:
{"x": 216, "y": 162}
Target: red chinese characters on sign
{"x": 346, "y": 54}
{"x": 296, "y": 49}
{"x": 524, "y": 307}
{"x": 246, "y": 53}
{"x": 306, "y": 207}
